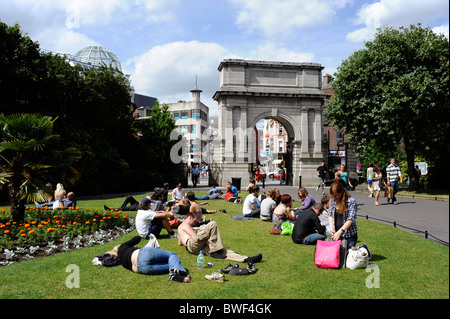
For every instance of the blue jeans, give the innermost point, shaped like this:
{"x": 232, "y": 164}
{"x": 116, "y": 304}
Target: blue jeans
{"x": 155, "y": 261}
{"x": 394, "y": 186}
{"x": 313, "y": 238}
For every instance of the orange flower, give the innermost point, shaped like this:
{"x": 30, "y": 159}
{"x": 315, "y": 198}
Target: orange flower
{"x": 23, "y": 235}
{"x": 31, "y": 232}
{"x": 88, "y": 222}
{"x": 7, "y": 231}
{"x": 74, "y": 223}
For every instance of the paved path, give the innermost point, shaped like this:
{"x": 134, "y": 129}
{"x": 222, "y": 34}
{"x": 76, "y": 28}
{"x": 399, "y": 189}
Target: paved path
{"x": 418, "y": 214}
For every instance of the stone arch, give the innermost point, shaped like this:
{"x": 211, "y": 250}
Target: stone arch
{"x": 288, "y": 92}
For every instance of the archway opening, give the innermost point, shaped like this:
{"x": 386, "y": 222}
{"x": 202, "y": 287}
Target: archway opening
{"x": 272, "y": 151}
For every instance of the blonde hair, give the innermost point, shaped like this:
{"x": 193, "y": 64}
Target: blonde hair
{"x": 271, "y": 193}
{"x": 60, "y": 193}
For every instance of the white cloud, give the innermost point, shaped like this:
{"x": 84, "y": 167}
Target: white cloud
{"x": 270, "y": 51}
{"x": 285, "y": 17}
{"x": 443, "y": 29}
{"x": 168, "y": 71}
{"x": 395, "y": 13}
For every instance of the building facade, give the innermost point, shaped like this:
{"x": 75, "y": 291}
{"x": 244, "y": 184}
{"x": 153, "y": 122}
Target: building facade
{"x": 191, "y": 120}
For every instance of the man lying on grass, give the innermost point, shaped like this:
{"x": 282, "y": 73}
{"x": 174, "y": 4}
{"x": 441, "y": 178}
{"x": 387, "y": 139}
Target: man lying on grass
{"x": 208, "y": 240}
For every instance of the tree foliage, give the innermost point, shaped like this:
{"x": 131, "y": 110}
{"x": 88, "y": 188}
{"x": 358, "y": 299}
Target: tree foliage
{"x": 26, "y": 161}
{"x": 94, "y": 114}
{"x": 395, "y": 91}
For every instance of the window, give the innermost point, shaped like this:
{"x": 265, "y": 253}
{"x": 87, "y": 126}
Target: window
{"x": 280, "y": 129}
{"x": 184, "y": 114}
{"x": 176, "y": 115}
{"x": 195, "y": 114}
{"x": 204, "y": 116}
{"x": 280, "y": 146}
{"x": 184, "y": 128}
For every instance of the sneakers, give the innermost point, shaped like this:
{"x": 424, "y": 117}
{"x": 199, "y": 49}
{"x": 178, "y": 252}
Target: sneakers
{"x": 251, "y": 268}
{"x": 223, "y": 211}
{"x": 174, "y": 235}
{"x": 215, "y": 276}
{"x": 229, "y": 267}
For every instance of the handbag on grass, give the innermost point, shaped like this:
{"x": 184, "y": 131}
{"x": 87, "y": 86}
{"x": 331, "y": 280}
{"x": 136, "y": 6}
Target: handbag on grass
{"x": 327, "y": 254}
{"x": 357, "y": 258}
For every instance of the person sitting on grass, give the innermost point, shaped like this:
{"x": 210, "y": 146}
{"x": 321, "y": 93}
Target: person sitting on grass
{"x": 196, "y": 209}
{"x": 208, "y": 240}
{"x": 149, "y": 260}
{"x": 307, "y": 228}
{"x": 152, "y": 222}
{"x": 268, "y": 205}
{"x": 283, "y": 212}
{"x": 252, "y": 205}
{"x": 307, "y": 200}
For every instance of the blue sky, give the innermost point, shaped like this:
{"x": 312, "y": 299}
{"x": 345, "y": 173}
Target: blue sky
{"x": 164, "y": 44}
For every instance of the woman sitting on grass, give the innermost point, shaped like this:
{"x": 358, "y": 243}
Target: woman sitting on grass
{"x": 149, "y": 260}
{"x": 283, "y": 212}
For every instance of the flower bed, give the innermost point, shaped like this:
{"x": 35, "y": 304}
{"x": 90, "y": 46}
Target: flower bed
{"x": 46, "y": 231}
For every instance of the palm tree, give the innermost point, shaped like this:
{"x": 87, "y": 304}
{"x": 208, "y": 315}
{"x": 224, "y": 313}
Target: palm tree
{"x": 27, "y": 162}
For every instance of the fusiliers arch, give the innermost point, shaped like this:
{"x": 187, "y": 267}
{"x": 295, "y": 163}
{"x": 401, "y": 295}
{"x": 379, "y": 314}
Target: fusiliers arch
{"x": 288, "y": 92}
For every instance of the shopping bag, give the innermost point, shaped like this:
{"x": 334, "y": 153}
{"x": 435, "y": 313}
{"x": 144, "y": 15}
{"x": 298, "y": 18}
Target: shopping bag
{"x": 389, "y": 192}
{"x": 327, "y": 254}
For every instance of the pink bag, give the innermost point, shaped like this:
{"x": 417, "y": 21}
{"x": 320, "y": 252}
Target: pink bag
{"x": 326, "y": 254}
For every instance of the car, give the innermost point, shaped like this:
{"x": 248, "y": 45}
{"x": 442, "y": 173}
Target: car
{"x": 276, "y": 174}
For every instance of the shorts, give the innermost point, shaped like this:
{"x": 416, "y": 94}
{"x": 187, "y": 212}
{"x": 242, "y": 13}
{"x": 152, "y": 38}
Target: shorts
{"x": 369, "y": 182}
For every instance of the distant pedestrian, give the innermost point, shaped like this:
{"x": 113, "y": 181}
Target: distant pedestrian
{"x": 394, "y": 173}
{"x": 322, "y": 171}
{"x": 345, "y": 176}
{"x": 369, "y": 179}
{"x": 377, "y": 178}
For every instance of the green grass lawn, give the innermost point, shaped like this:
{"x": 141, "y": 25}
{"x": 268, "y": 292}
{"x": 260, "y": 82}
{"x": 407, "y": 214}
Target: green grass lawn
{"x": 409, "y": 267}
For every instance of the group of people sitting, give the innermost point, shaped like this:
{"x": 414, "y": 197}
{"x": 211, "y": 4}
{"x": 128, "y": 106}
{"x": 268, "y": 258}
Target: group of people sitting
{"x": 309, "y": 225}
{"x": 61, "y": 199}
{"x": 155, "y": 213}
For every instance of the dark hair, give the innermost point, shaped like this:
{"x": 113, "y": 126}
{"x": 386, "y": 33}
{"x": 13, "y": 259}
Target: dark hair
{"x": 286, "y": 199}
{"x": 318, "y": 206}
{"x": 254, "y": 188}
{"x": 190, "y": 196}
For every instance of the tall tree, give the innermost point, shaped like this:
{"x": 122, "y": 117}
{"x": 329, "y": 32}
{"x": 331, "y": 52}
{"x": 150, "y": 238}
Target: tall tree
{"x": 396, "y": 91}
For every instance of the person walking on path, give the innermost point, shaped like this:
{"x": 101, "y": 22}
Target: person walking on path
{"x": 322, "y": 170}
{"x": 377, "y": 177}
{"x": 369, "y": 179}
{"x": 394, "y": 173}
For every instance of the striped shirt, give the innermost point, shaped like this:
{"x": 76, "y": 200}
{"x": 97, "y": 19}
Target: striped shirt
{"x": 393, "y": 172}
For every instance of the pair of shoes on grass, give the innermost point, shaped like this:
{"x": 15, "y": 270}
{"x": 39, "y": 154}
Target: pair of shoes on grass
{"x": 215, "y": 276}
{"x": 236, "y": 270}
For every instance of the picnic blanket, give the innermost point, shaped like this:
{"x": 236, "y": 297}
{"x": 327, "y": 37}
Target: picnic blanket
{"x": 241, "y": 217}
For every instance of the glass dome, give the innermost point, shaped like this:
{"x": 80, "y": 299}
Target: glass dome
{"x": 97, "y": 56}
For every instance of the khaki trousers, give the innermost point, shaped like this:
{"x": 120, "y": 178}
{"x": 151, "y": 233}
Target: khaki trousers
{"x": 208, "y": 240}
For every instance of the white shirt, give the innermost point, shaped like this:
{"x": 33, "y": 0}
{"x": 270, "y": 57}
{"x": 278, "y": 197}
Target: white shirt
{"x": 249, "y": 201}
{"x": 177, "y": 194}
{"x": 143, "y": 220}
